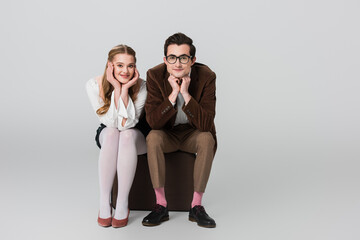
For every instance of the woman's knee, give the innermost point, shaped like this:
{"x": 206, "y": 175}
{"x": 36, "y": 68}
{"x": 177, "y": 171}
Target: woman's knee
{"x": 128, "y": 133}
{"x": 128, "y": 136}
{"x": 109, "y": 134}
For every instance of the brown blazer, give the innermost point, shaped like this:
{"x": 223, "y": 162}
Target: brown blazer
{"x": 200, "y": 110}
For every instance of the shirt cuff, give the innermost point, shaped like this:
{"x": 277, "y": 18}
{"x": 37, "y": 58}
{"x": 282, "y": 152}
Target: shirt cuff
{"x": 128, "y": 112}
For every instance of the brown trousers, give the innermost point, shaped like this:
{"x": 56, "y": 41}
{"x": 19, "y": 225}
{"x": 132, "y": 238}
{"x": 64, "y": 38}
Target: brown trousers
{"x": 185, "y": 138}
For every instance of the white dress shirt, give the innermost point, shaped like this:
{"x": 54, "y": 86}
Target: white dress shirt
{"x": 114, "y": 116}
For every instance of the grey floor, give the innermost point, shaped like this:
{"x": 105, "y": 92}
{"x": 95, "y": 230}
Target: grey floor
{"x": 55, "y": 197}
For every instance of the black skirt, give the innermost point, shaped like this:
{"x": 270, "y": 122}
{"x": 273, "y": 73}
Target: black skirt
{"x": 97, "y": 136}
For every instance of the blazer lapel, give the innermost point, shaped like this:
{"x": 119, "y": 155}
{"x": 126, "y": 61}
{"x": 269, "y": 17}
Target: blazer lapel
{"x": 167, "y": 86}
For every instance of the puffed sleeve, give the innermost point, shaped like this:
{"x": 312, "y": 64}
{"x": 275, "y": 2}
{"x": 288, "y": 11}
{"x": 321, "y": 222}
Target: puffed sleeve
{"x": 133, "y": 110}
{"x": 110, "y": 118}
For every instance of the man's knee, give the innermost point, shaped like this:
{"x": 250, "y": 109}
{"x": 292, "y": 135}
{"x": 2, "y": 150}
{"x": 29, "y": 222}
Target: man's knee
{"x": 205, "y": 140}
{"x": 154, "y": 138}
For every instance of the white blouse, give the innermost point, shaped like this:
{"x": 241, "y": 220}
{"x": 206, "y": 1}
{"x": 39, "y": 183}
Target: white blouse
{"x": 113, "y": 117}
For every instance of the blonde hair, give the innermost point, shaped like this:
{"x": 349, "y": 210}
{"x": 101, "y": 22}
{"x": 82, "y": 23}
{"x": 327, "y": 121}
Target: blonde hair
{"x": 107, "y": 88}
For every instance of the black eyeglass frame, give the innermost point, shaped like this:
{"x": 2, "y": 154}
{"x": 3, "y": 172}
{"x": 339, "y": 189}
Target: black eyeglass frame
{"x": 189, "y": 57}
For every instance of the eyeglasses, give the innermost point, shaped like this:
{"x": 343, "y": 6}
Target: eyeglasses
{"x": 183, "y": 59}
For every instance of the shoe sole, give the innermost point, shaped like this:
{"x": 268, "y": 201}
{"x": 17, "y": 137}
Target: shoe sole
{"x": 105, "y": 226}
{"x": 155, "y": 224}
{"x": 205, "y": 226}
{"x": 120, "y": 225}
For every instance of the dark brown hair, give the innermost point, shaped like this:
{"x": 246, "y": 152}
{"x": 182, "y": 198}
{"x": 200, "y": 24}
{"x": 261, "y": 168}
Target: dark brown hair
{"x": 107, "y": 88}
{"x": 178, "y": 39}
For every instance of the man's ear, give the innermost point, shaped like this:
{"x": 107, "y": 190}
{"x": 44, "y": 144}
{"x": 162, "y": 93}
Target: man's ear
{"x": 165, "y": 60}
{"x": 193, "y": 60}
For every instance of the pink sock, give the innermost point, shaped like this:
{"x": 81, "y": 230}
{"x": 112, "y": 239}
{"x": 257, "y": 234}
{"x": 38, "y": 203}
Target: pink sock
{"x": 196, "y": 199}
{"x": 160, "y": 196}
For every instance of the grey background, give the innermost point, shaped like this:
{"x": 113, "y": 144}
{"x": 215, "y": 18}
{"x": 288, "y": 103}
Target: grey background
{"x": 287, "y": 115}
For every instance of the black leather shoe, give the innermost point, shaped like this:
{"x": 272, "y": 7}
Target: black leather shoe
{"x": 198, "y": 214}
{"x": 159, "y": 214}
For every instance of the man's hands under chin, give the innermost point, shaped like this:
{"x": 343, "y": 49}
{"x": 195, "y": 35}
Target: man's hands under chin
{"x": 175, "y": 84}
{"x": 175, "y": 88}
{"x": 179, "y": 85}
{"x": 184, "y": 88}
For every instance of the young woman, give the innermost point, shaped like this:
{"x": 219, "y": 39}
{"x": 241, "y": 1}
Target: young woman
{"x": 118, "y": 97}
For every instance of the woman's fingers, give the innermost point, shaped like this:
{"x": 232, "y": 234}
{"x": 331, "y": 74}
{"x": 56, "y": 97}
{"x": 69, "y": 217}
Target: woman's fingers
{"x": 136, "y": 75}
{"x": 109, "y": 72}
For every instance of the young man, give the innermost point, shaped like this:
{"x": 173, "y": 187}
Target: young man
{"x": 180, "y": 108}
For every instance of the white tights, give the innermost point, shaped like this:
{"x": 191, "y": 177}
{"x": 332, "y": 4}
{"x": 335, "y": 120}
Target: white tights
{"x": 119, "y": 150}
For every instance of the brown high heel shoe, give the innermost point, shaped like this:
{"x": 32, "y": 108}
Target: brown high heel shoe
{"x": 120, "y": 223}
{"x": 104, "y": 222}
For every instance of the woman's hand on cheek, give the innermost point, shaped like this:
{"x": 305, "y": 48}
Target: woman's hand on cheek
{"x": 132, "y": 81}
{"x": 110, "y": 76}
